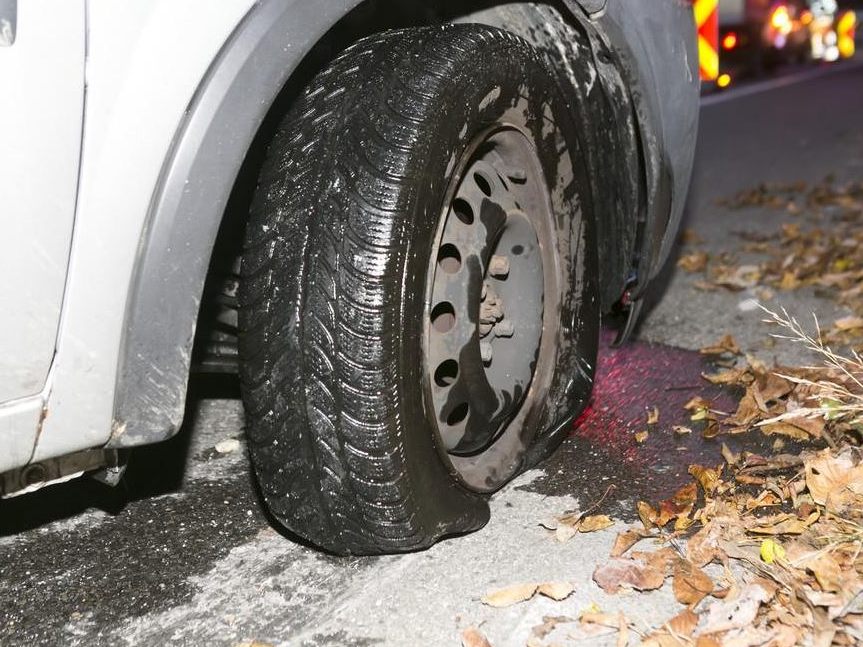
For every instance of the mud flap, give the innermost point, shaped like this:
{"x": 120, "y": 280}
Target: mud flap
{"x": 632, "y": 317}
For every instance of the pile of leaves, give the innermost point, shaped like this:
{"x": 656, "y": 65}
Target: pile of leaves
{"x": 758, "y": 549}
{"x": 785, "y": 529}
{"x": 762, "y": 548}
{"x": 821, "y": 249}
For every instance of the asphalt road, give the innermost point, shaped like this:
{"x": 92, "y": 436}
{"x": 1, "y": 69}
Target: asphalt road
{"x": 183, "y": 554}
{"x": 782, "y": 131}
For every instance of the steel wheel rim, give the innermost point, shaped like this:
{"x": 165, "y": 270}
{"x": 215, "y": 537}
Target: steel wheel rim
{"x": 486, "y": 298}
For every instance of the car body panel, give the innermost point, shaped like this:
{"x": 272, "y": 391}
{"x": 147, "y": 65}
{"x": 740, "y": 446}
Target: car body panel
{"x": 171, "y": 113}
{"x": 41, "y": 118}
{"x": 144, "y": 65}
{"x": 19, "y": 427}
{"x": 658, "y": 45}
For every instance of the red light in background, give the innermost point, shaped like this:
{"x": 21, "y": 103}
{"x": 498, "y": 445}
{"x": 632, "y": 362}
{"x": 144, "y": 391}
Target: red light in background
{"x": 729, "y": 41}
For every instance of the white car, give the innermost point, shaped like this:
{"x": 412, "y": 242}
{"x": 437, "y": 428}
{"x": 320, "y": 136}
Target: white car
{"x": 418, "y": 208}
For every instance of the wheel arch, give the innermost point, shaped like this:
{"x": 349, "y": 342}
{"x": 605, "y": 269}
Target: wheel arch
{"x": 190, "y": 202}
{"x": 188, "y": 206}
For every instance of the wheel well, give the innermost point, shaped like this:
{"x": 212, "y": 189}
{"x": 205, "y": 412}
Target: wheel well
{"x": 216, "y": 341}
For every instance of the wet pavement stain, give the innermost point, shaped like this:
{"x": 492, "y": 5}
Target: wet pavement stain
{"x": 134, "y": 560}
{"x": 602, "y": 449}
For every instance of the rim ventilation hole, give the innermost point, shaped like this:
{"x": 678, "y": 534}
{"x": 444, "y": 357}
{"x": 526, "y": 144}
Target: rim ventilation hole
{"x": 447, "y": 373}
{"x": 457, "y": 415}
{"x": 463, "y": 211}
{"x": 483, "y": 184}
{"x": 449, "y": 259}
{"x": 443, "y": 317}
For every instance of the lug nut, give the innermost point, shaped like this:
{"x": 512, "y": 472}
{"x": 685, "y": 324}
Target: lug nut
{"x": 504, "y": 328}
{"x": 485, "y": 352}
{"x": 498, "y": 267}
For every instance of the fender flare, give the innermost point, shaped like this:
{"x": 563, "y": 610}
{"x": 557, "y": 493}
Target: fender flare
{"x": 188, "y": 205}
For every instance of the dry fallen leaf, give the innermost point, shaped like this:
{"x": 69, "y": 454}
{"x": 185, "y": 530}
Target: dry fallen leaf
{"x": 677, "y": 632}
{"x": 784, "y": 429}
{"x": 593, "y": 623}
{"x": 647, "y": 514}
{"x": 678, "y": 506}
{"x": 747, "y": 410}
{"x": 471, "y": 637}
{"x": 783, "y": 524}
{"x": 664, "y": 639}
{"x": 653, "y": 416}
{"x": 690, "y": 584}
{"x": 737, "y": 277}
{"x": 814, "y": 427}
{"x": 510, "y": 595}
{"x": 819, "y": 494}
{"x": 835, "y": 481}
{"x": 623, "y": 630}
{"x": 789, "y": 281}
{"x": 830, "y": 575}
{"x": 620, "y": 573}
{"x": 626, "y": 540}
{"x": 699, "y": 409}
{"x": 728, "y": 376}
{"x": 681, "y": 430}
{"x": 661, "y": 559}
{"x": 556, "y": 590}
{"x": 684, "y": 623}
{"x": 726, "y": 344}
{"x": 848, "y": 323}
{"x": 563, "y": 530}
{"x": 598, "y": 618}
{"x": 694, "y": 262}
{"x": 703, "y": 547}
{"x": 517, "y": 593}
{"x": 724, "y": 615}
{"x": 711, "y": 428}
{"x": 641, "y": 437}
{"x": 765, "y": 499}
{"x": 707, "y": 477}
{"x": 595, "y": 522}
{"x": 771, "y": 386}
{"x": 566, "y": 526}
